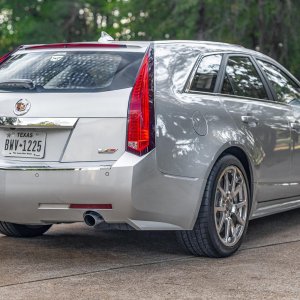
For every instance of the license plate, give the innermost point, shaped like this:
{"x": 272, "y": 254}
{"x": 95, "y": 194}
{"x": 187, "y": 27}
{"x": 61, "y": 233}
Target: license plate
{"x": 24, "y": 144}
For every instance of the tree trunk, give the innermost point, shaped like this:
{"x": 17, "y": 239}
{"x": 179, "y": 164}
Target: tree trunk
{"x": 201, "y": 21}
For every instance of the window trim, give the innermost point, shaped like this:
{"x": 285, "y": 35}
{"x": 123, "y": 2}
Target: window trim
{"x": 221, "y": 75}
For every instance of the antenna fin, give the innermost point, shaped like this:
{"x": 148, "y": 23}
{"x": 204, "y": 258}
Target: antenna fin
{"x": 105, "y": 37}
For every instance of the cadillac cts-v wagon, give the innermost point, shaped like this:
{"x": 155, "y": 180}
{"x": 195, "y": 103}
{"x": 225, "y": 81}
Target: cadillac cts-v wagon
{"x": 196, "y": 137}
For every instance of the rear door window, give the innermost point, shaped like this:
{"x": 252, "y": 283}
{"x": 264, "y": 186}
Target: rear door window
{"x": 73, "y": 71}
{"x": 206, "y": 74}
{"x": 286, "y": 90}
{"x": 242, "y": 79}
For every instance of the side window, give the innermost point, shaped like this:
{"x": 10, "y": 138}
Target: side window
{"x": 206, "y": 74}
{"x": 242, "y": 79}
{"x": 286, "y": 89}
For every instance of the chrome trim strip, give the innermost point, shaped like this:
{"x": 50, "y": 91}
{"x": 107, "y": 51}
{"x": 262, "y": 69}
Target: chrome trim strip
{"x": 279, "y": 205}
{"x": 107, "y": 151}
{"x": 54, "y": 168}
{"x": 14, "y": 122}
{"x": 275, "y": 208}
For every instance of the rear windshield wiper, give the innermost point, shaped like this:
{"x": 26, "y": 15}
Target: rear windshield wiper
{"x": 18, "y": 84}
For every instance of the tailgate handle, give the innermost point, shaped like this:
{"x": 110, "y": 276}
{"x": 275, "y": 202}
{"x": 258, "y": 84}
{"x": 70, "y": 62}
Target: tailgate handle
{"x": 58, "y": 123}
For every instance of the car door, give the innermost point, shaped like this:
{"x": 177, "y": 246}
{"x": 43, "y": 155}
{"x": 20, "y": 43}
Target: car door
{"x": 264, "y": 122}
{"x": 287, "y": 91}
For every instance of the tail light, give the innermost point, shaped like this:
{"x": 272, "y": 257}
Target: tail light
{"x": 73, "y": 45}
{"x": 4, "y": 57}
{"x": 7, "y": 55}
{"x": 141, "y": 127}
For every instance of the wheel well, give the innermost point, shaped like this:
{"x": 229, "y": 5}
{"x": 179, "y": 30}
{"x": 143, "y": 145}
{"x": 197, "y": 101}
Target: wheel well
{"x": 242, "y": 157}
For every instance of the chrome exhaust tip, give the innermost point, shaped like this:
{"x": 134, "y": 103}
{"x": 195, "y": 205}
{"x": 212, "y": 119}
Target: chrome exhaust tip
{"x": 92, "y": 218}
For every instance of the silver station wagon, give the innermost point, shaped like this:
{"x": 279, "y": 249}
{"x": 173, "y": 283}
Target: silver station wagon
{"x": 196, "y": 137}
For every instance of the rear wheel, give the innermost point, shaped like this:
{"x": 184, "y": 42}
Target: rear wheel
{"x": 17, "y": 230}
{"x": 223, "y": 217}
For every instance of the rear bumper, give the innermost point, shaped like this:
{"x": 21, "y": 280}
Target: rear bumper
{"x": 140, "y": 195}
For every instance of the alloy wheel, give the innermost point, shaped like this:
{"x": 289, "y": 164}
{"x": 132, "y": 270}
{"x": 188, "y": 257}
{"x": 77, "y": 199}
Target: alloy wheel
{"x": 231, "y": 205}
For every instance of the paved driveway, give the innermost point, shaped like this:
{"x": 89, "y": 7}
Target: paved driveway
{"x": 76, "y": 262}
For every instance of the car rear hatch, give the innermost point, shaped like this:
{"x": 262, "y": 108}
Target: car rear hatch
{"x": 66, "y": 102}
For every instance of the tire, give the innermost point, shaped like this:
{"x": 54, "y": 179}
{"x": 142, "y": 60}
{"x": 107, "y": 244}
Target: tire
{"x": 219, "y": 211}
{"x": 17, "y": 230}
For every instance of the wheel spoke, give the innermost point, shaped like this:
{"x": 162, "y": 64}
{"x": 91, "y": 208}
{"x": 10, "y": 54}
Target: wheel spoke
{"x": 233, "y": 183}
{"x": 219, "y": 209}
{"x": 238, "y": 189}
{"x": 221, "y": 190}
{"x": 241, "y": 204}
{"x": 240, "y": 219}
{"x": 226, "y": 182}
{"x": 220, "y": 225}
{"x": 232, "y": 228}
{"x": 227, "y": 229}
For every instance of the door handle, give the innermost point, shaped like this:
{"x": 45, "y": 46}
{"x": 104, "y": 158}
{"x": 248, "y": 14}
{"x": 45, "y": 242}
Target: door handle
{"x": 295, "y": 125}
{"x": 250, "y": 120}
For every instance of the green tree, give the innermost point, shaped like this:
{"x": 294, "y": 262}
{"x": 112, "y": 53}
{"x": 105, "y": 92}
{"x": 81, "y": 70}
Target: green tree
{"x": 46, "y": 21}
{"x": 270, "y": 26}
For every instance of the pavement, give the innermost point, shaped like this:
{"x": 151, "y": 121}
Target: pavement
{"x": 77, "y": 262}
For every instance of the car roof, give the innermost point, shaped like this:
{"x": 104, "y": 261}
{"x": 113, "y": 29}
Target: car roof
{"x": 209, "y": 46}
{"x": 202, "y": 46}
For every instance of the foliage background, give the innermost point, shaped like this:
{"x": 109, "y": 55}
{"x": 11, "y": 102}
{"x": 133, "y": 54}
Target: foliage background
{"x": 270, "y": 26}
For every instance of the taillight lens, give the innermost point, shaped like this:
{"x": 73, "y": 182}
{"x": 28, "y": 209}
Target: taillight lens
{"x": 141, "y": 127}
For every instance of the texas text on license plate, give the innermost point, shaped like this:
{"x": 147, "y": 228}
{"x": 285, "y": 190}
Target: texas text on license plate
{"x": 21, "y": 143}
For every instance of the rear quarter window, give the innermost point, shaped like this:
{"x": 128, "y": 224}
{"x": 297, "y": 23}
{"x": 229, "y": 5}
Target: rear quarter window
{"x": 206, "y": 74}
{"x": 73, "y": 71}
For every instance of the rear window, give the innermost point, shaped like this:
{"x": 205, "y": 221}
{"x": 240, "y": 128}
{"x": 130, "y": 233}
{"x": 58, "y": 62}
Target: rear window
{"x": 73, "y": 71}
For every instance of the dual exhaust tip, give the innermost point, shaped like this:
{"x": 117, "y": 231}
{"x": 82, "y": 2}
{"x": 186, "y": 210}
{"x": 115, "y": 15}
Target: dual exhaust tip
{"x": 92, "y": 218}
